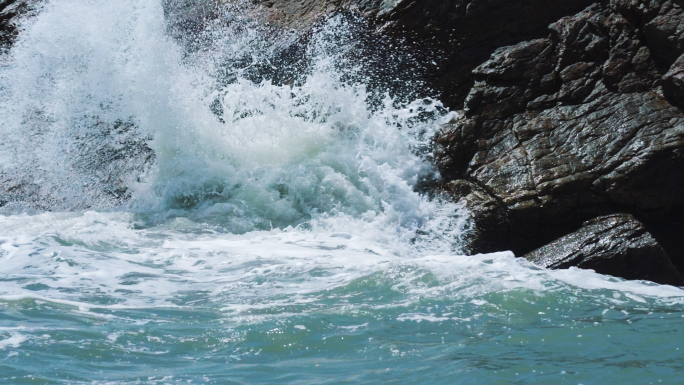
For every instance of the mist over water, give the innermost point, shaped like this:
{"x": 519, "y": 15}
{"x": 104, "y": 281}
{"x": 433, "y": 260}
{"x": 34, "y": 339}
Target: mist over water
{"x": 197, "y": 199}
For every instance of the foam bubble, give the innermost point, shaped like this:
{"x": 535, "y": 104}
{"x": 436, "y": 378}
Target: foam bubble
{"x": 13, "y": 341}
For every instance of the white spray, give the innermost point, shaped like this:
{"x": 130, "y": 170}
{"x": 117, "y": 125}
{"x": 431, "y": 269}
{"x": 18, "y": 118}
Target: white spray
{"x": 93, "y": 88}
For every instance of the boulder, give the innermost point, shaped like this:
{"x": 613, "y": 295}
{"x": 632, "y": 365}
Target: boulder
{"x": 617, "y": 245}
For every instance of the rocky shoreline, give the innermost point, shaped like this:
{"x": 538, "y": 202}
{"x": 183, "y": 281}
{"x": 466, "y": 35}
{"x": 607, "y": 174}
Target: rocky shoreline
{"x": 569, "y": 149}
{"x": 568, "y": 145}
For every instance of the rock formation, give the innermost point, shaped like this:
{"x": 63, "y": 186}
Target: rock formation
{"x": 616, "y": 244}
{"x": 581, "y": 123}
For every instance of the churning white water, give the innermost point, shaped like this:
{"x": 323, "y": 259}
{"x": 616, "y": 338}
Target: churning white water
{"x": 166, "y": 205}
{"x": 87, "y": 80}
{"x": 99, "y": 99}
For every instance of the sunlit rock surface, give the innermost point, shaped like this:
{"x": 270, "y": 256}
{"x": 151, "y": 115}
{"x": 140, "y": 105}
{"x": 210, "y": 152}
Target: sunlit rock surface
{"x": 617, "y": 245}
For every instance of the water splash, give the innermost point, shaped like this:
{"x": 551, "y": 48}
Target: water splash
{"x": 113, "y": 110}
{"x": 81, "y": 79}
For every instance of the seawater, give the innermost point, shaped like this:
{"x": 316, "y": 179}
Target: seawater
{"x": 275, "y": 235}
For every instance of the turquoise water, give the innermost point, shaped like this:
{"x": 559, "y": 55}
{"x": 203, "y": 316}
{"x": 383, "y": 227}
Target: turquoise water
{"x": 276, "y": 235}
{"x": 79, "y": 305}
{"x": 328, "y": 342}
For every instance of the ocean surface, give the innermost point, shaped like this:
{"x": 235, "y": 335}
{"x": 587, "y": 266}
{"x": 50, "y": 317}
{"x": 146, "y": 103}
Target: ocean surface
{"x": 179, "y": 208}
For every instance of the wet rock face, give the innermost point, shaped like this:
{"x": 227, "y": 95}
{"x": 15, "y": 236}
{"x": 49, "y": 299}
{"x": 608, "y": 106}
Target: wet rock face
{"x": 10, "y": 12}
{"x": 581, "y": 123}
{"x": 563, "y": 164}
{"x": 487, "y": 215}
{"x": 617, "y": 245}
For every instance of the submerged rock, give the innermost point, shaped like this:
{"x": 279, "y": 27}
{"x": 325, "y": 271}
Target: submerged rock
{"x": 617, "y": 245}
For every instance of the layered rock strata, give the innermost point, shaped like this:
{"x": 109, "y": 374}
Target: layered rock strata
{"x": 617, "y": 245}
